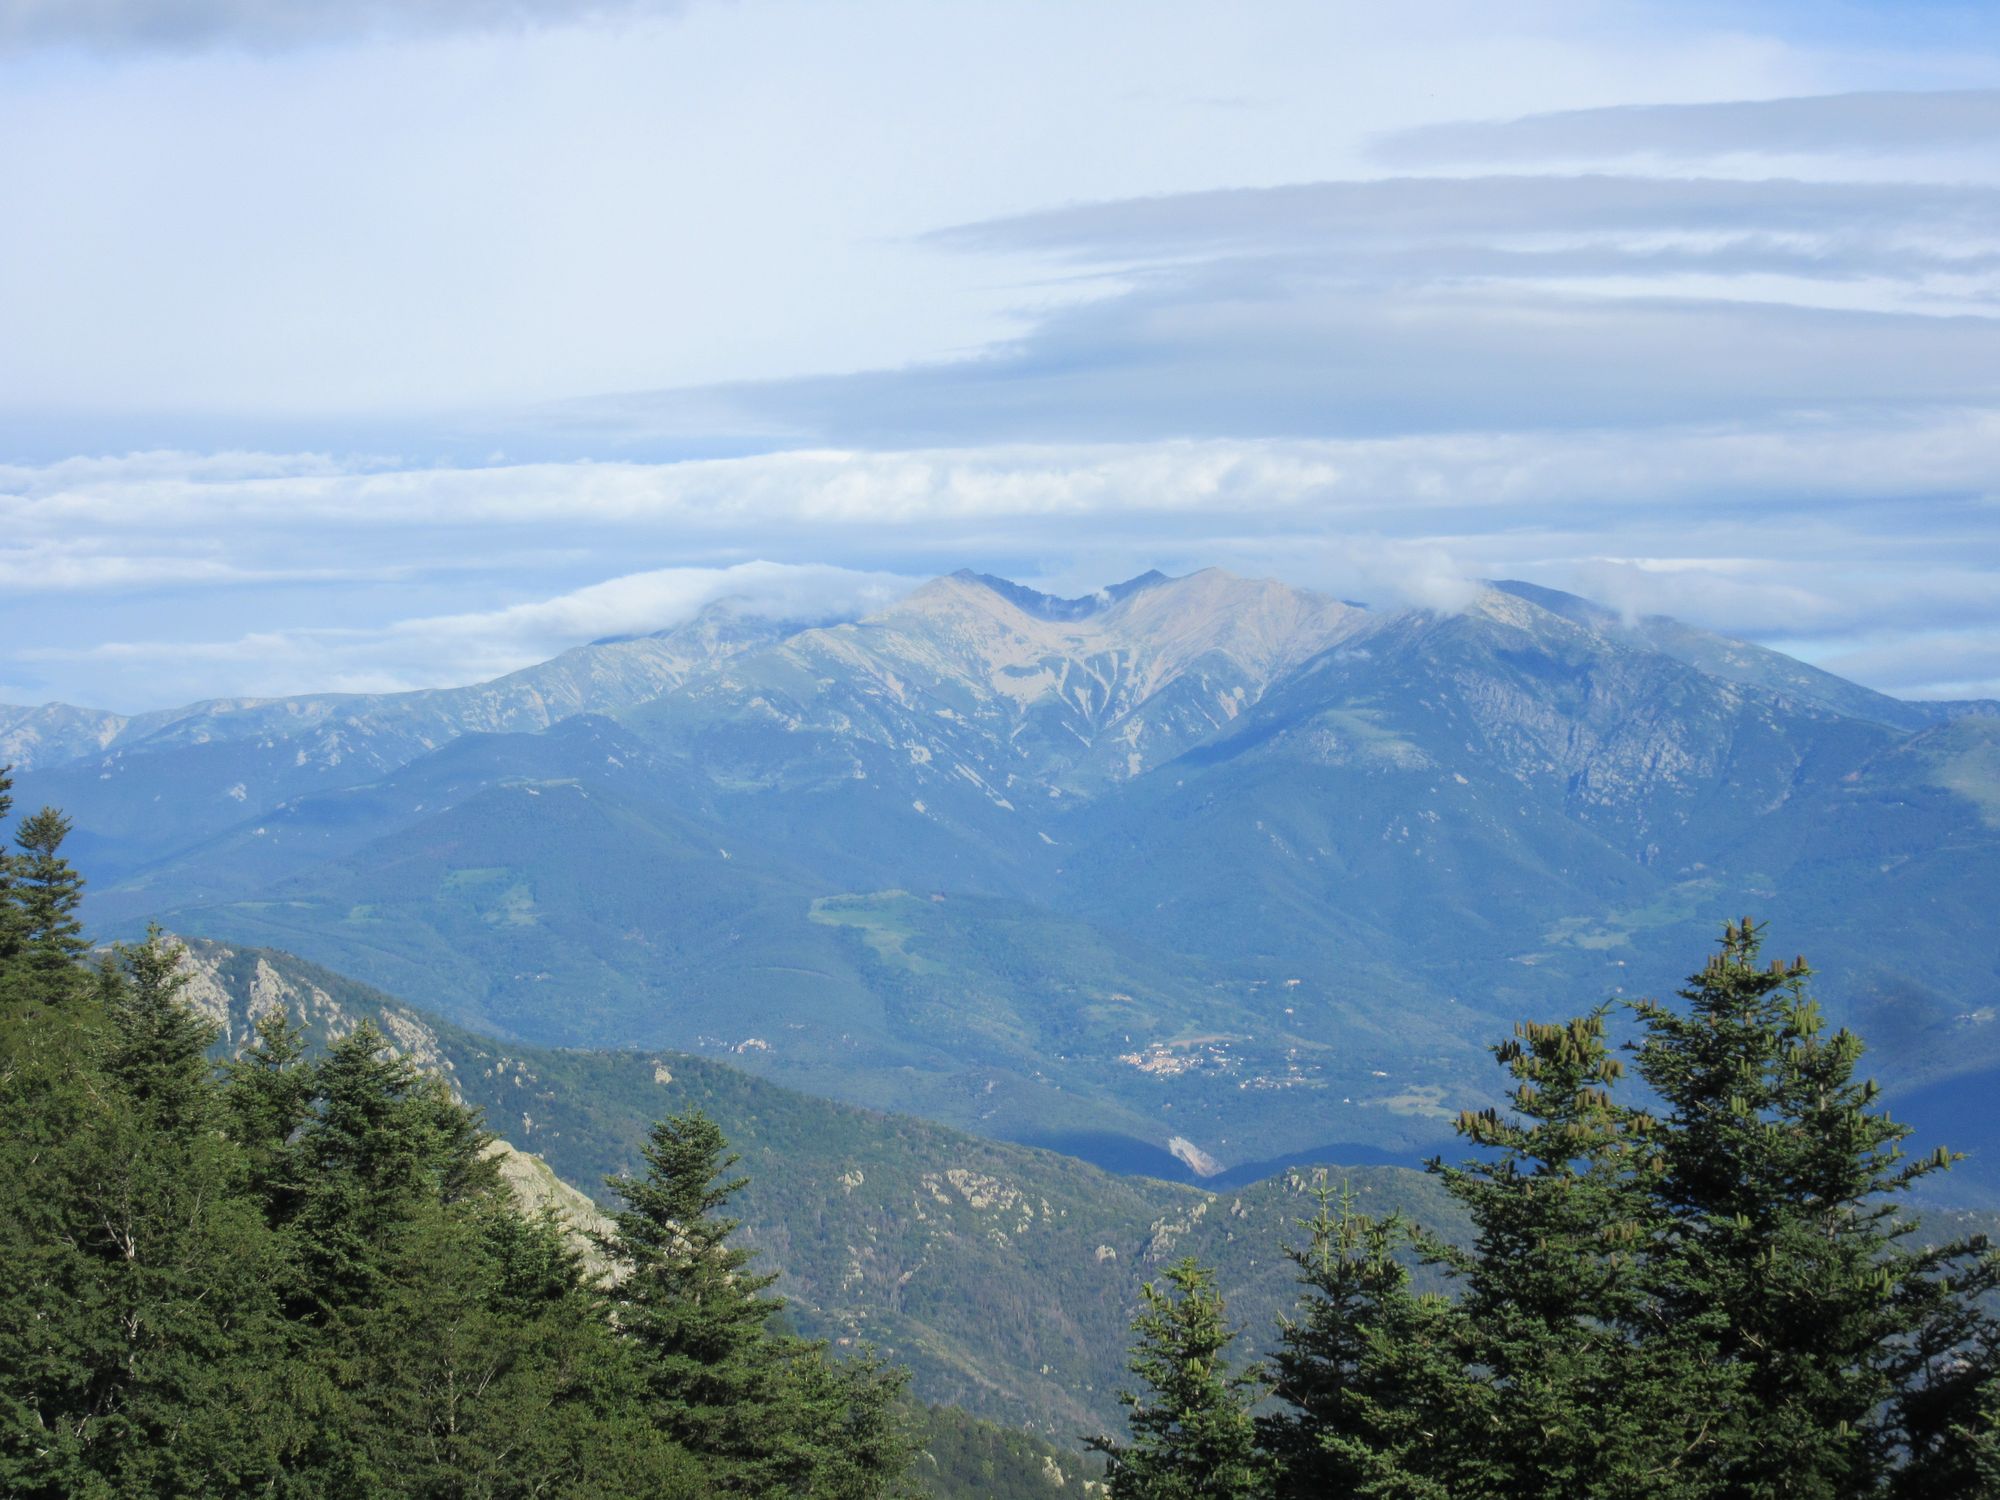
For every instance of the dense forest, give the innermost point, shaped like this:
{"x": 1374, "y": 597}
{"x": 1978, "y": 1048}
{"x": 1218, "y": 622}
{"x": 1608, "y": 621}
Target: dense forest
{"x": 296, "y": 1272}
{"x": 300, "y": 1275}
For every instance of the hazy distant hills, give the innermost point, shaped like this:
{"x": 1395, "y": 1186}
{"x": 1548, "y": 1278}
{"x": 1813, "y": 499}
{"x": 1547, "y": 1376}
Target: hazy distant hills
{"x": 1203, "y": 862}
{"x": 230, "y": 759}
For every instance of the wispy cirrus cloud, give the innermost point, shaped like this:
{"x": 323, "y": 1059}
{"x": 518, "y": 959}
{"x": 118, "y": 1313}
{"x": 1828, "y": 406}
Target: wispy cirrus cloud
{"x": 1881, "y": 122}
{"x": 272, "y": 25}
{"x": 1485, "y": 303}
{"x": 1334, "y": 218}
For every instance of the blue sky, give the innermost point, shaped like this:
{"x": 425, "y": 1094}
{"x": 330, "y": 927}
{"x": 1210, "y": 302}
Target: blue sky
{"x": 393, "y": 344}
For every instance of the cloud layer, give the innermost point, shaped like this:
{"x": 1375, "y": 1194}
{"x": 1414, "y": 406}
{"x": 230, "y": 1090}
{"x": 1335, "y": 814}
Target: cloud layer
{"x": 1864, "y": 124}
{"x": 1868, "y": 547}
{"x": 269, "y": 25}
{"x": 445, "y": 650}
{"x": 1431, "y": 304}
{"x": 475, "y": 330}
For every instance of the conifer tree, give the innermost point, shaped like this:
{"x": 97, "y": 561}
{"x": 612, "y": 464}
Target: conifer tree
{"x": 1783, "y": 1241}
{"x": 1717, "y": 1300}
{"x": 1945, "y": 1370}
{"x": 768, "y": 1413}
{"x": 1368, "y": 1373}
{"x": 691, "y": 1302}
{"x": 849, "y": 1435}
{"x": 302, "y": 1277}
{"x": 47, "y": 891}
{"x": 1974, "y": 1446}
{"x": 139, "y": 1305}
{"x": 383, "y": 1141}
{"x": 487, "y": 1368}
{"x": 1346, "y": 1270}
{"x": 1579, "y": 1390}
{"x": 1194, "y": 1435}
{"x": 269, "y": 1091}
{"x": 160, "y": 1052}
{"x": 11, "y": 919}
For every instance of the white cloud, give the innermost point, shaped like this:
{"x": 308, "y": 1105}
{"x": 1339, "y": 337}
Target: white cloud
{"x": 447, "y": 650}
{"x": 1810, "y": 530}
{"x": 1863, "y": 124}
{"x": 641, "y": 602}
{"x": 399, "y": 234}
{"x": 1807, "y": 465}
{"x": 60, "y": 569}
{"x": 187, "y": 25}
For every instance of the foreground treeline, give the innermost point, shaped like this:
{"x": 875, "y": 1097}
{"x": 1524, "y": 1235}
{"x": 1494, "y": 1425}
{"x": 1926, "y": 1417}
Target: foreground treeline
{"x": 300, "y": 1276}
{"x": 1710, "y": 1299}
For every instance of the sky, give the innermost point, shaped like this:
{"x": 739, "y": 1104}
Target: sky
{"x": 398, "y": 343}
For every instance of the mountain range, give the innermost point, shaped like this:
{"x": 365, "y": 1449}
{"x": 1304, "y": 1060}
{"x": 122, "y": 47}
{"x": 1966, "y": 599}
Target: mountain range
{"x": 1196, "y": 875}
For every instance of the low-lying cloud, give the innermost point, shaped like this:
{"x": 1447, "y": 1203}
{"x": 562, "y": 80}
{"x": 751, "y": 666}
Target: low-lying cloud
{"x": 447, "y": 650}
{"x": 1847, "y": 540}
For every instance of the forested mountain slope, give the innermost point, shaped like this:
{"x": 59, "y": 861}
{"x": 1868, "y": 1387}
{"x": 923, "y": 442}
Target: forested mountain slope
{"x": 1004, "y": 1277}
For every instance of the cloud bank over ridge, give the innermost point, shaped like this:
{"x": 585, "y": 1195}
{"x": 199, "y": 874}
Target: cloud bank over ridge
{"x": 1651, "y": 522}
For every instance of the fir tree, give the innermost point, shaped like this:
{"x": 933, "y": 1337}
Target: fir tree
{"x": 1951, "y": 1415}
{"x": 1945, "y": 1370}
{"x": 160, "y": 1055}
{"x": 488, "y": 1369}
{"x": 849, "y": 1430}
{"x": 12, "y": 921}
{"x": 269, "y": 1093}
{"x": 47, "y": 891}
{"x": 1370, "y": 1375}
{"x": 383, "y": 1141}
{"x": 1778, "y": 1178}
{"x": 1975, "y": 1444}
{"x": 1325, "y": 1435}
{"x": 690, "y": 1301}
{"x": 767, "y": 1413}
{"x": 1714, "y": 1301}
{"x": 140, "y": 1309}
{"x": 303, "y": 1277}
{"x": 1581, "y": 1389}
{"x": 1194, "y": 1435}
